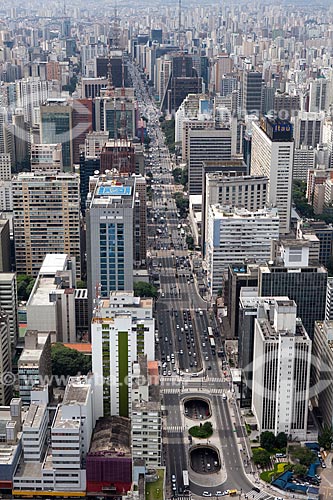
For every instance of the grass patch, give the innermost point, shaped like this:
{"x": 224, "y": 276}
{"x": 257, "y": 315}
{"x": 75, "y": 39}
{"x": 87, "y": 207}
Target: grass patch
{"x": 202, "y": 432}
{"x": 154, "y": 491}
{"x": 279, "y": 468}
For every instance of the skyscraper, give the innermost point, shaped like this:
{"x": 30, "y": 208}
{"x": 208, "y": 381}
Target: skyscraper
{"x": 5, "y": 359}
{"x": 252, "y": 90}
{"x": 281, "y": 372}
{"x": 46, "y": 218}
{"x": 272, "y": 155}
{"x": 56, "y": 125}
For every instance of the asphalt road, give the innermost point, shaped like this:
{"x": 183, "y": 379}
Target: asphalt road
{"x": 178, "y": 294}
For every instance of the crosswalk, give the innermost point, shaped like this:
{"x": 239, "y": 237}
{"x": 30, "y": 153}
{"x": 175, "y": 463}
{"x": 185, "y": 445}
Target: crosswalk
{"x": 170, "y": 390}
{"x": 253, "y": 495}
{"x": 174, "y": 428}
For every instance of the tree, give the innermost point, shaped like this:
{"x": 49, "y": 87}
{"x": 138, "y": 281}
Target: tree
{"x": 81, "y": 284}
{"x": 143, "y": 289}
{"x": 303, "y": 455}
{"x": 261, "y": 457}
{"x": 299, "y": 470}
{"x": 68, "y": 362}
{"x": 182, "y": 204}
{"x": 190, "y": 242}
{"x": 25, "y": 285}
{"x": 281, "y": 440}
{"x": 325, "y": 439}
{"x": 267, "y": 440}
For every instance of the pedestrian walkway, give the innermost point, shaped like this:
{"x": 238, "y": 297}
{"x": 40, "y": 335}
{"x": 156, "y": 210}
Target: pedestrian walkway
{"x": 170, "y": 390}
{"x": 254, "y": 495}
{"x": 174, "y": 428}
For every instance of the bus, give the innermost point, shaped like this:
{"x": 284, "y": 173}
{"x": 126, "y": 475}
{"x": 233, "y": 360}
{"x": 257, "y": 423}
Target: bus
{"x": 210, "y": 331}
{"x": 212, "y": 342}
{"x": 185, "y": 479}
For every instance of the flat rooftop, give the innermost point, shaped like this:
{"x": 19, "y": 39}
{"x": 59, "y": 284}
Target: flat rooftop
{"x": 77, "y": 391}
{"x": 53, "y": 262}
{"x": 106, "y": 190}
{"x": 34, "y": 416}
{"x": 112, "y": 435}
{"x": 64, "y": 423}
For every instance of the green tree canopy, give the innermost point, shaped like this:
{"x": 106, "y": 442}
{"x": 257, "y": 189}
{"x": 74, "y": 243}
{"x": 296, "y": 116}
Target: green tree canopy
{"x": 182, "y": 203}
{"x": 267, "y": 440}
{"x": 143, "y": 289}
{"x": 325, "y": 439}
{"x": 25, "y": 284}
{"x": 261, "y": 457}
{"x": 300, "y": 470}
{"x": 281, "y": 440}
{"x": 303, "y": 455}
{"x": 68, "y": 362}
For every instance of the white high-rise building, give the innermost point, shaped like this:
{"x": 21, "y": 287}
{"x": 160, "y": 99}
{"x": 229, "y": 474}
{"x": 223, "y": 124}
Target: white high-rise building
{"x": 320, "y": 94}
{"x": 273, "y": 156}
{"x": 235, "y": 235}
{"x": 281, "y": 371}
{"x": 8, "y": 302}
{"x": 308, "y": 128}
{"x": 122, "y": 328}
{"x": 5, "y": 167}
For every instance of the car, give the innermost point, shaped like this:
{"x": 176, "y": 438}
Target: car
{"x": 206, "y": 358}
{"x": 203, "y": 344}
{"x": 179, "y": 339}
{"x": 255, "y": 488}
{"x": 174, "y": 487}
{"x": 169, "y": 373}
{"x": 218, "y": 493}
{"x": 206, "y": 494}
{"x": 177, "y": 326}
{"x": 209, "y": 367}
{"x": 323, "y": 465}
{"x": 164, "y": 373}
{"x": 166, "y": 339}
{"x": 173, "y": 478}
{"x": 226, "y": 492}
{"x": 181, "y": 351}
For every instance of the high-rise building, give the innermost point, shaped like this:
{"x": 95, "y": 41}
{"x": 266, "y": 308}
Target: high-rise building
{"x": 5, "y": 167}
{"x": 286, "y": 105}
{"x": 273, "y": 155}
{"x": 235, "y": 235}
{"x": 9, "y": 303}
{"x": 302, "y": 281}
{"x": 308, "y": 128}
{"x": 329, "y": 300}
{"x": 5, "y": 251}
{"x": 252, "y": 90}
{"x": 56, "y": 125}
{"x": 206, "y": 145}
{"x": 5, "y": 359}
{"x": 320, "y": 95}
{"x": 110, "y": 237}
{"x": 82, "y": 124}
{"x": 122, "y": 328}
{"x": 281, "y": 372}
{"x": 46, "y": 158}
{"x": 304, "y": 159}
{"x": 146, "y": 416}
{"x": 46, "y": 218}
{"x": 322, "y": 371}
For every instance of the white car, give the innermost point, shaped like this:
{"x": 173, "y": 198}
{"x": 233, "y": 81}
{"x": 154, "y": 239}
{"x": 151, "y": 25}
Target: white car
{"x": 206, "y": 494}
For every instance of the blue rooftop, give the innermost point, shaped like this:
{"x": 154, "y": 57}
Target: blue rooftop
{"x": 106, "y": 190}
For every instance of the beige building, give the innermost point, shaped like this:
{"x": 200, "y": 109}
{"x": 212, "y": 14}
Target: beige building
{"x": 46, "y": 218}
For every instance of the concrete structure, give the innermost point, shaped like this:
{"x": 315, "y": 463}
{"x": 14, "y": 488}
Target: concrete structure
{"x": 234, "y": 235}
{"x": 81, "y": 313}
{"x": 122, "y": 328}
{"x": 281, "y": 371}
{"x": 205, "y": 145}
{"x": 51, "y": 305}
{"x": 34, "y": 365}
{"x": 8, "y": 303}
{"x": 294, "y": 276}
{"x": 322, "y": 371}
{"x": 10, "y": 441}
{"x": 308, "y": 128}
{"x": 46, "y": 157}
{"x": 110, "y": 244}
{"x": 329, "y": 300}
{"x": 46, "y": 218}
{"x": 273, "y": 155}
{"x": 304, "y": 159}
{"x": 5, "y": 167}
{"x": 34, "y": 432}
{"x": 307, "y": 229}
{"x": 5, "y": 252}
{"x": 320, "y": 94}
{"x": 146, "y": 416}
{"x": 5, "y": 360}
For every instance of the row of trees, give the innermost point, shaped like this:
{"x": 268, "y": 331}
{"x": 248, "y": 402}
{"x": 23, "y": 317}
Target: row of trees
{"x": 182, "y": 204}
{"x": 180, "y": 176}
{"x": 270, "y": 442}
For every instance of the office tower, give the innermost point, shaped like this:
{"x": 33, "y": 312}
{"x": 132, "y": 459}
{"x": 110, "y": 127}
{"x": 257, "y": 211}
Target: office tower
{"x": 51, "y": 305}
{"x": 50, "y": 456}
{"x": 320, "y": 95}
{"x": 56, "y": 125}
{"x": 5, "y": 252}
{"x": 6, "y": 196}
{"x": 252, "y": 92}
{"x": 122, "y": 328}
{"x": 6, "y": 389}
{"x": 322, "y": 371}
{"x": 156, "y": 35}
{"x": 286, "y": 105}
{"x": 206, "y": 145}
{"x": 281, "y": 372}
{"x": 250, "y": 308}
{"x": 118, "y": 154}
{"x": 94, "y": 143}
{"x": 140, "y": 222}
{"x": 82, "y": 124}
{"x": 46, "y": 158}
{"x": 116, "y": 113}
{"x": 189, "y": 109}
{"x": 234, "y": 235}
{"x": 308, "y": 128}
{"x": 324, "y": 233}
{"x": 46, "y": 218}
{"x": 188, "y": 125}
{"x": 81, "y": 313}
{"x": 273, "y": 155}
{"x": 31, "y": 92}
{"x": 110, "y": 222}
{"x": 304, "y": 282}
{"x": 304, "y": 160}
{"x": 8, "y": 303}
{"x": 21, "y": 139}
{"x": 119, "y": 69}
{"x": 91, "y": 87}
{"x": 146, "y": 414}
{"x": 34, "y": 364}
{"x": 329, "y": 300}
{"x": 5, "y": 167}
{"x": 89, "y": 166}
{"x": 239, "y": 276}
